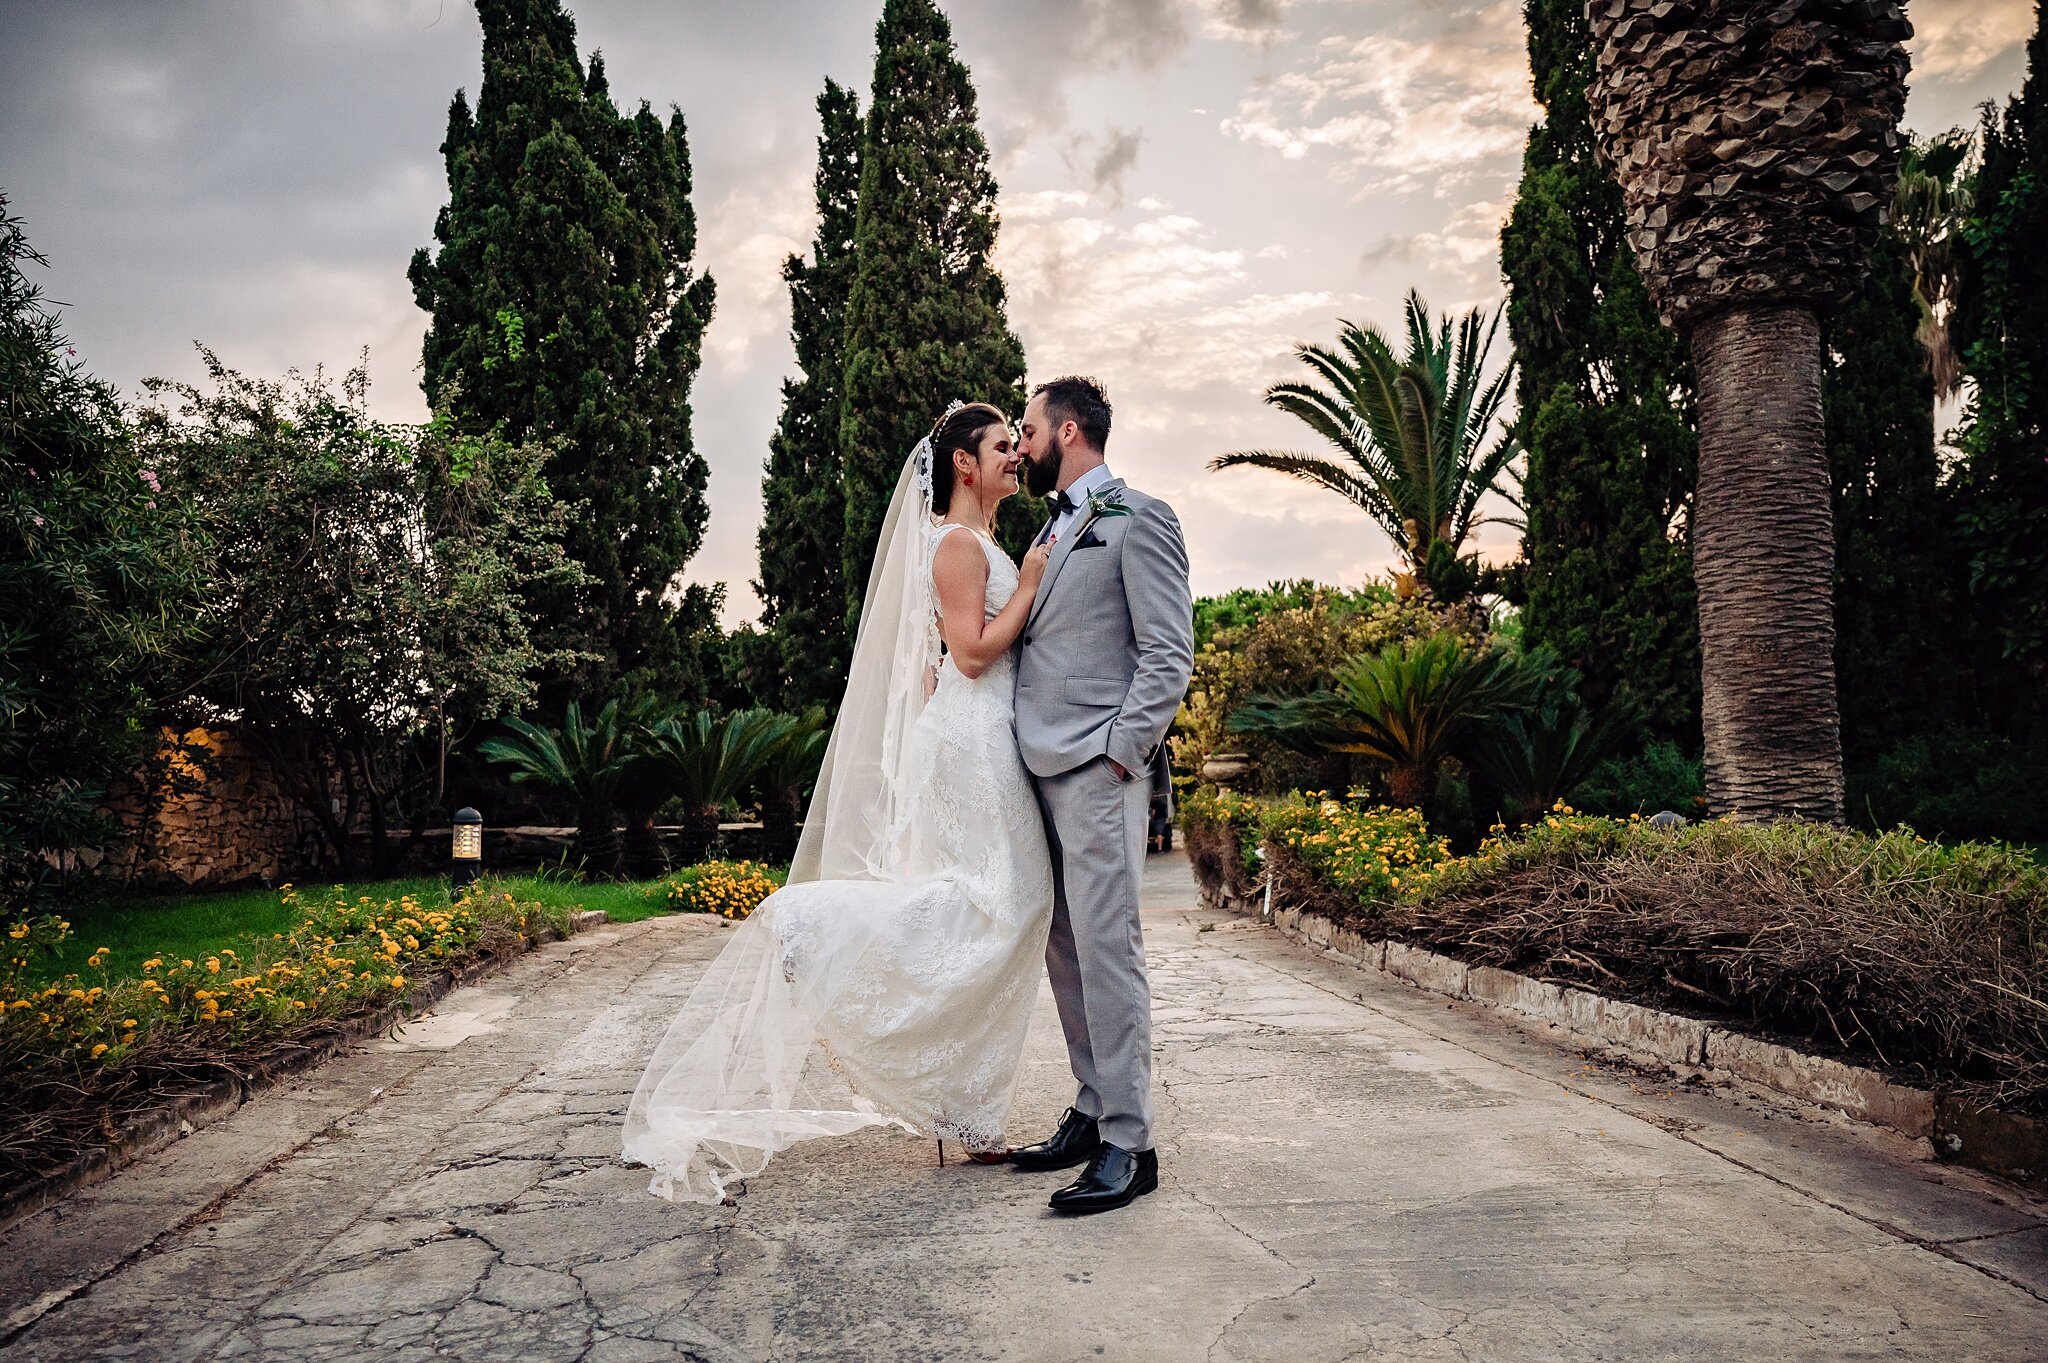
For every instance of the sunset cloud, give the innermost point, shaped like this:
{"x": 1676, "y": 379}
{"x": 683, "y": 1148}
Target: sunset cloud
{"x": 1188, "y": 189}
{"x": 1395, "y": 110}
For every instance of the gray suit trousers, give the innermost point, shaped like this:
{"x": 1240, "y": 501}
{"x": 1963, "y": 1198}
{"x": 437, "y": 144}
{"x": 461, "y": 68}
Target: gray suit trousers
{"x": 1095, "y": 827}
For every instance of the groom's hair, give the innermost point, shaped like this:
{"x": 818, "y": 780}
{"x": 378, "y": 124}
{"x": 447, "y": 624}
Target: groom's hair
{"x": 1081, "y": 401}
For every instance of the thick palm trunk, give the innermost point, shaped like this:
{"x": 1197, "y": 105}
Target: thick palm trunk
{"x": 1763, "y": 557}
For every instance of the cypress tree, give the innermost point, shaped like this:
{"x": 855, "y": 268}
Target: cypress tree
{"x": 925, "y": 317}
{"x": 1603, "y": 393}
{"x": 565, "y": 309}
{"x": 2001, "y": 484}
{"x": 1892, "y": 560}
{"x": 802, "y": 586}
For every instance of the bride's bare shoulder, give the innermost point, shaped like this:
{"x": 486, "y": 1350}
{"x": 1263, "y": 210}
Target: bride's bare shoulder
{"x": 959, "y": 557}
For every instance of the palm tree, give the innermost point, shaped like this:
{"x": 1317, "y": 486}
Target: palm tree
{"x": 1929, "y": 210}
{"x": 1407, "y": 707}
{"x": 1756, "y": 149}
{"x": 1412, "y": 430}
{"x": 584, "y": 760}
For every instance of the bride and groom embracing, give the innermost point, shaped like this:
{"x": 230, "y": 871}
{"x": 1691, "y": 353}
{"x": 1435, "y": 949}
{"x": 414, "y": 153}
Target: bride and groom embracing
{"x": 982, "y": 806}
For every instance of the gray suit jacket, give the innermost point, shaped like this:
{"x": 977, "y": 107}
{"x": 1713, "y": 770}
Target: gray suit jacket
{"x": 1104, "y": 660}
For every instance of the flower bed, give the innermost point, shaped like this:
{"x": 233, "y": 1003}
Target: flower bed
{"x": 1926, "y": 960}
{"x": 79, "y": 1052}
{"x": 1351, "y": 860}
{"x": 730, "y": 889}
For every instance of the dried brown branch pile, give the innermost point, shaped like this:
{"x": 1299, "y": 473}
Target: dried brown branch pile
{"x": 1933, "y": 963}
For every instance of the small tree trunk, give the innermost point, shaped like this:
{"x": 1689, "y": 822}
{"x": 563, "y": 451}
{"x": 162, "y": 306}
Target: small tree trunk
{"x": 645, "y": 858}
{"x": 596, "y": 848}
{"x": 698, "y": 832}
{"x": 1764, "y": 560}
{"x": 1408, "y": 786}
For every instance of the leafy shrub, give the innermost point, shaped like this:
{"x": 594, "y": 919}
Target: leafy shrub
{"x": 1965, "y": 783}
{"x": 1659, "y": 777}
{"x": 1246, "y": 606}
{"x": 1208, "y": 808}
{"x": 730, "y": 889}
{"x": 100, "y": 586}
{"x": 1287, "y": 650}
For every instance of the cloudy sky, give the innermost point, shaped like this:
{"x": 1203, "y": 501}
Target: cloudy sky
{"x": 1188, "y": 187}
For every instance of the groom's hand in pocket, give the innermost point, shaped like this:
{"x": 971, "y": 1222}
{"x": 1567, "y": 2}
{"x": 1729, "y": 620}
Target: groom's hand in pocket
{"x": 1116, "y": 769}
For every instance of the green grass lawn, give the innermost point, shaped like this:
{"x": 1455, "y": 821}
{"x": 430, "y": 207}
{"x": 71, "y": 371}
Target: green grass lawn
{"x": 198, "y": 925}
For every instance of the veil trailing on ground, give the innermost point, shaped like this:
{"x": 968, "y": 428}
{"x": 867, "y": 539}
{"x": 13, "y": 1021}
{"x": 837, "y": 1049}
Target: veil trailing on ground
{"x": 804, "y": 1000}
{"x": 855, "y": 827}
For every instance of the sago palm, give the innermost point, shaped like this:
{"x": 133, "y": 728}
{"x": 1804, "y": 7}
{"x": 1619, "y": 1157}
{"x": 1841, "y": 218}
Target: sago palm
{"x": 787, "y": 773}
{"x": 1535, "y": 754}
{"x": 584, "y": 760}
{"x": 707, "y": 759}
{"x": 1407, "y": 707}
{"x": 1413, "y": 431}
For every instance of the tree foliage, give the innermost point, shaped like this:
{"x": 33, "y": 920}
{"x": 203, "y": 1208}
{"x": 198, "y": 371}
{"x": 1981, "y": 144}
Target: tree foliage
{"x": 97, "y": 582}
{"x": 1604, "y": 410}
{"x": 2002, "y": 317}
{"x": 803, "y": 584}
{"x": 925, "y": 314}
{"x": 1894, "y": 596}
{"x": 364, "y": 602}
{"x": 566, "y": 309}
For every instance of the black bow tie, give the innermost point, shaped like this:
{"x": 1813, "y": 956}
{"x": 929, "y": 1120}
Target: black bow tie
{"x": 1061, "y": 504}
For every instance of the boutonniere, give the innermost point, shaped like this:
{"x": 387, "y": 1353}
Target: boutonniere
{"x": 1110, "y": 503}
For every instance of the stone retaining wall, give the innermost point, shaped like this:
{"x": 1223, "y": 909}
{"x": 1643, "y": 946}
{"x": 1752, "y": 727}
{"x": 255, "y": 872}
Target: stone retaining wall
{"x": 217, "y": 817}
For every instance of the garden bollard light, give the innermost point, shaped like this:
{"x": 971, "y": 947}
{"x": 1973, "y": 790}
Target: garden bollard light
{"x": 466, "y": 850}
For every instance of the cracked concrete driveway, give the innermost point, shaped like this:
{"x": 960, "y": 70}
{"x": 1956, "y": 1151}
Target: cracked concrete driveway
{"x": 1352, "y": 1169}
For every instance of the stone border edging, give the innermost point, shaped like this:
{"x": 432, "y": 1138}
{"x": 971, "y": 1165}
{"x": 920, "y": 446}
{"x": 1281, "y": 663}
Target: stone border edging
{"x": 2000, "y": 1142}
{"x": 144, "y": 1133}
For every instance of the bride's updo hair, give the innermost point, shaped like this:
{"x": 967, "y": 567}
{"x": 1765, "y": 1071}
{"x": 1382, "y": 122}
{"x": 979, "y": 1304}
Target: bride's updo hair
{"x": 960, "y": 431}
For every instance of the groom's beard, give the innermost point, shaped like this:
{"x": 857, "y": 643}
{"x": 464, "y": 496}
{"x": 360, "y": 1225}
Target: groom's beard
{"x": 1043, "y": 475}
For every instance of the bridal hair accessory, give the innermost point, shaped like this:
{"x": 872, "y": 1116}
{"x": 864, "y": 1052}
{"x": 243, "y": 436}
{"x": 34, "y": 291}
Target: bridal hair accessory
{"x": 922, "y": 455}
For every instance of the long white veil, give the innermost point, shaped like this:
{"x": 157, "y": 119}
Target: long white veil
{"x": 855, "y": 822}
{"x": 743, "y": 1070}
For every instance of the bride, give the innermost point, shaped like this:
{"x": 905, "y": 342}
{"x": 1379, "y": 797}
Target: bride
{"x": 891, "y": 982}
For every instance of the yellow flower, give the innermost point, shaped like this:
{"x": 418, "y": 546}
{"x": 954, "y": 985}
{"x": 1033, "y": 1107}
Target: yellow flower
{"x": 397, "y": 981}
{"x": 99, "y": 1050}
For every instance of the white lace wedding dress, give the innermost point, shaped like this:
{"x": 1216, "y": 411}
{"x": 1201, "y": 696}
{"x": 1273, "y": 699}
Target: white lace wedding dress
{"x": 898, "y": 995}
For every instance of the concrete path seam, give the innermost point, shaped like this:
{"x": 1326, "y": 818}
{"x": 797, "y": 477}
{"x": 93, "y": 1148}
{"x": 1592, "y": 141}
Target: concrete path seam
{"x": 1897, "y": 1233}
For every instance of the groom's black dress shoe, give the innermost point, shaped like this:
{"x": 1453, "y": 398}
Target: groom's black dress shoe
{"x": 1116, "y": 1177}
{"x": 1072, "y": 1144}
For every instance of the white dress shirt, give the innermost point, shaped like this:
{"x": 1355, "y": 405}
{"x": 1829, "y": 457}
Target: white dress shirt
{"x": 1083, "y": 487}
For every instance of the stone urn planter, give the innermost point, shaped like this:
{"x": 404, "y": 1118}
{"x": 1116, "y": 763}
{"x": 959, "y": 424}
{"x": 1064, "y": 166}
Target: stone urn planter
{"x": 1226, "y": 768}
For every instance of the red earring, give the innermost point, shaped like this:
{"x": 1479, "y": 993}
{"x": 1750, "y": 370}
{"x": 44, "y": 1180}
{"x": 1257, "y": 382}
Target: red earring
{"x": 970, "y": 480}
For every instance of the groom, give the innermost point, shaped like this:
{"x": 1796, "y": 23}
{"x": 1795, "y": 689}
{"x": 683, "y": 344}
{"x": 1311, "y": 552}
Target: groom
{"x": 1102, "y": 666}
